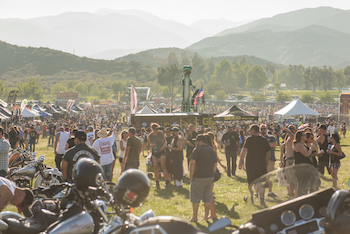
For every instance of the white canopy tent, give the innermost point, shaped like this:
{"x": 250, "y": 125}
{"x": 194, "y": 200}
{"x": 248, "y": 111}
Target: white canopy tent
{"x": 29, "y": 113}
{"x": 147, "y": 110}
{"x": 296, "y": 107}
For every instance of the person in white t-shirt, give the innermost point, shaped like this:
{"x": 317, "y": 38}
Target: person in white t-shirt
{"x": 219, "y": 137}
{"x": 331, "y": 129}
{"x": 122, "y": 145}
{"x": 103, "y": 145}
{"x": 90, "y": 136}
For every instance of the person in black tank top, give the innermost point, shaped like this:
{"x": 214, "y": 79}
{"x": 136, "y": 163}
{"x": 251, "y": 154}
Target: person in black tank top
{"x": 322, "y": 141}
{"x": 335, "y": 153}
{"x": 302, "y": 155}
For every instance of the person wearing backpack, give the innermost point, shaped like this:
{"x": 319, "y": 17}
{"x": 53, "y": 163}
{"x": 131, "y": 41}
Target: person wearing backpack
{"x": 336, "y": 154}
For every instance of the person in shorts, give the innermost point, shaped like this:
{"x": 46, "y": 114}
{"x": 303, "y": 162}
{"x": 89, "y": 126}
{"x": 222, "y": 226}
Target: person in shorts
{"x": 158, "y": 143}
{"x": 202, "y": 167}
{"x": 257, "y": 149}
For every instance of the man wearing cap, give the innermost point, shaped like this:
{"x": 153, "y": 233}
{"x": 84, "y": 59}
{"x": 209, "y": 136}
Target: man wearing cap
{"x": 103, "y": 145}
{"x": 132, "y": 152}
{"x": 231, "y": 141}
{"x": 176, "y": 153}
{"x": 80, "y": 150}
{"x": 202, "y": 167}
{"x": 19, "y": 197}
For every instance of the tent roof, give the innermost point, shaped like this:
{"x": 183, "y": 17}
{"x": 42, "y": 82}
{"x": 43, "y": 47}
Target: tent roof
{"x": 29, "y": 113}
{"x": 235, "y": 113}
{"x": 5, "y": 111}
{"x": 296, "y": 107}
{"x": 4, "y": 117}
{"x": 147, "y": 110}
{"x": 3, "y": 103}
{"x": 37, "y": 108}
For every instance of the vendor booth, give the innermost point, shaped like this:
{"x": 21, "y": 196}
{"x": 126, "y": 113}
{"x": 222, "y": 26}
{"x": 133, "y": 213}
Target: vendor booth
{"x": 235, "y": 113}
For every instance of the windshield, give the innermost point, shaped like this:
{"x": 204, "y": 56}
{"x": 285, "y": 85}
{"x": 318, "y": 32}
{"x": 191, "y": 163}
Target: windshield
{"x": 301, "y": 195}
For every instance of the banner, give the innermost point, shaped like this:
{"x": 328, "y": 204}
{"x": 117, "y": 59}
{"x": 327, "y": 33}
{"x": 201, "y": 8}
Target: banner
{"x": 118, "y": 96}
{"x": 70, "y": 103}
{"x": 23, "y": 105}
{"x": 133, "y": 101}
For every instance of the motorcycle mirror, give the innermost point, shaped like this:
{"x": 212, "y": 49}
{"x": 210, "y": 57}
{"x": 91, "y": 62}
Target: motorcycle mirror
{"x": 221, "y": 223}
{"x": 42, "y": 158}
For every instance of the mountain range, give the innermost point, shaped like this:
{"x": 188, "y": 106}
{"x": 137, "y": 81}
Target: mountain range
{"x": 311, "y": 37}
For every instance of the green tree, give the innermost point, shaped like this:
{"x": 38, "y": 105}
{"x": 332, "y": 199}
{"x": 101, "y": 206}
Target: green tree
{"x": 307, "y": 98}
{"x": 347, "y": 75}
{"x": 95, "y": 91}
{"x": 220, "y": 95}
{"x": 117, "y": 86}
{"x": 339, "y": 79}
{"x": 58, "y": 88}
{"x": 259, "y": 97}
{"x": 172, "y": 59}
{"x": 283, "y": 97}
{"x": 31, "y": 89}
{"x": 282, "y": 75}
{"x": 256, "y": 78}
{"x": 104, "y": 94}
{"x": 3, "y": 90}
{"x": 184, "y": 59}
{"x": 169, "y": 76}
{"x": 198, "y": 68}
{"x": 240, "y": 74}
{"x": 326, "y": 78}
{"x": 326, "y": 98}
{"x": 295, "y": 75}
{"x": 212, "y": 87}
{"x": 81, "y": 88}
{"x": 223, "y": 74}
{"x": 277, "y": 86}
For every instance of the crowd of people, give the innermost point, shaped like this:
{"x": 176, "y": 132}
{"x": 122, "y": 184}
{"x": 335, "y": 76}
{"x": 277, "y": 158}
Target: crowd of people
{"x": 101, "y": 134}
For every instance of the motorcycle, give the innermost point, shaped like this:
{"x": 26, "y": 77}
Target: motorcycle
{"x": 35, "y": 170}
{"x": 19, "y": 157}
{"x": 318, "y": 208}
{"x": 79, "y": 212}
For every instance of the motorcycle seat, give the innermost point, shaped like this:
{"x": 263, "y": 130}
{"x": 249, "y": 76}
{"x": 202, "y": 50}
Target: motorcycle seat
{"x": 31, "y": 225}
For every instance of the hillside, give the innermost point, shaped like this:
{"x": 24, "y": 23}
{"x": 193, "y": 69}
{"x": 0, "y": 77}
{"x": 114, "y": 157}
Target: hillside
{"x": 310, "y": 46}
{"x": 157, "y": 57}
{"x": 17, "y": 62}
{"x": 323, "y": 16}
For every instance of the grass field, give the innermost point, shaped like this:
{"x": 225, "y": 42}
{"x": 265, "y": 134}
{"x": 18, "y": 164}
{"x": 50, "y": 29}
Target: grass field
{"x": 229, "y": 191}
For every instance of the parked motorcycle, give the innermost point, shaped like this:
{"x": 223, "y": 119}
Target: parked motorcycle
{"x": 36, "y": 170}
{"x": 19, "y": 157}
{"x": 81, "y": 211}
{"x": 317, "y": 209}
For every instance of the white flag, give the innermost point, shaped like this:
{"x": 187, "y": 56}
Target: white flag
{"x": 133, "y": 101}
{"x": 23, "y": 104}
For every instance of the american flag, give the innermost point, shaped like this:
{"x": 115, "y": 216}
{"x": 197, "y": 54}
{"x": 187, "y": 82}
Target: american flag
{"x": 199, "y": 95}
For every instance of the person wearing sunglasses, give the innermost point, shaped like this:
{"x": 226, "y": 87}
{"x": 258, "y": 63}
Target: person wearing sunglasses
{"x": 10, "y": 193}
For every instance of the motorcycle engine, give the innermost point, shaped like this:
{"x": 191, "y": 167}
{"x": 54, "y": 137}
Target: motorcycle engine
{"x": 23, "y": 182}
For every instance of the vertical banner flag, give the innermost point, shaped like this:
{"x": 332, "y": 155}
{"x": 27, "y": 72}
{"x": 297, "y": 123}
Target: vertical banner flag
{"x": 118, "y": 96}
{"x": 23, "y": 105}
{"x": 70, "y": 103}
{"x": 199, "y": 95}
{"x": 133, "y": 102}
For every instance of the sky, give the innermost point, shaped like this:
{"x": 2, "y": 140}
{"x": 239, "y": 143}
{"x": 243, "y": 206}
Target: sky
{"x": 184, "y": 11}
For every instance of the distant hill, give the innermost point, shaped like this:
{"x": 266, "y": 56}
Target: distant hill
{"x": 215, "y": 26}
{"x": 157, "y": 57}
{"x": 17, "y": 62}
{"x": 87, "y": 34}
{"x": 323, "y": 16}
{"x": 311, "y": 46}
